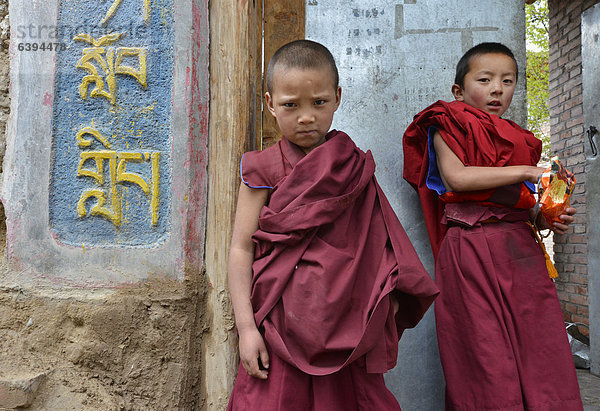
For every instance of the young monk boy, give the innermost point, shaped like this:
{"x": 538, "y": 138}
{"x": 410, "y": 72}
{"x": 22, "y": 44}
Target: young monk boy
{"x": 323, "y": 278}
{"x": 500, "y": 328}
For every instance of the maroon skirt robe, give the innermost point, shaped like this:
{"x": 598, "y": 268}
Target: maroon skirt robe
{"x": 329, "y": 252}
{"x": 501, "y": 332}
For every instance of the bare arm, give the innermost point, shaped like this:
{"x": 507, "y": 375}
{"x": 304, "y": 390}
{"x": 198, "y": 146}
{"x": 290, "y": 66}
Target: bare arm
{"x": 458, "y": 177}
{"x": 241, "y": 257}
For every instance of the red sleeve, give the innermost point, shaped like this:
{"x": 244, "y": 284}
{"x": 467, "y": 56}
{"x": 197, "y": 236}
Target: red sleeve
{"x": 262, "y": 169}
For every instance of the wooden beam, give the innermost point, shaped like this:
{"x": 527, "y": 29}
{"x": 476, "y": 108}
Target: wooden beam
{"x": 234, "y": 43}
{"x": 284, "y": 21}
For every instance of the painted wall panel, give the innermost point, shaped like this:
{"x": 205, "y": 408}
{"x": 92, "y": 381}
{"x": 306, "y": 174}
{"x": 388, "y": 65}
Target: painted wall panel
{"x": 105, "y": 170}
{"x": 111, "y": 124}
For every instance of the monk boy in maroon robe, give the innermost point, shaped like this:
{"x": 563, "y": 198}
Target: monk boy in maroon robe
{"x": 323, "y": 278}
{"x": 500, "y": 328}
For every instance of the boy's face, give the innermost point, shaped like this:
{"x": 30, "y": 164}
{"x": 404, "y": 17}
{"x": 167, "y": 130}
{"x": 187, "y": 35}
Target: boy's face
{"x": 490, "y": 83}
{"x": 303, "y": 102}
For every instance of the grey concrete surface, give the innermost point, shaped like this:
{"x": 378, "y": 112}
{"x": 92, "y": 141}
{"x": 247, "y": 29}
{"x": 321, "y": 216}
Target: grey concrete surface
{"x": 591, "y": 114}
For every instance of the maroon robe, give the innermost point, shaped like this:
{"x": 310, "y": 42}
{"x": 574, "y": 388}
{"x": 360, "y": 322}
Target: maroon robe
{"x": 329, "y": 252}
{"x": 501, "y": 334}
{"x": 476, "y": 137}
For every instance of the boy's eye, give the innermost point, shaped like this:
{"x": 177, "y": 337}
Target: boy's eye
{"x": 289, "y": 105}
{"x": 319, "y": 102}
{"x": 483, "y": 80}
{"x": 508, "y": 81}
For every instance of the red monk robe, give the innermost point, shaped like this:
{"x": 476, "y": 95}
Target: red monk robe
{"x": 329, "y": 251}
{"x": 501, "y": 334}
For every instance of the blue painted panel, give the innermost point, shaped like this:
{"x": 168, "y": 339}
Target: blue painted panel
{"x": 116, "y": 123}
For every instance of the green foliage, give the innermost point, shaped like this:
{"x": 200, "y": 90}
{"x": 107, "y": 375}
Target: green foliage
{"x": 538, "y": 112}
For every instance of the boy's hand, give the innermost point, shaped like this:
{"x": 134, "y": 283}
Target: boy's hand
{"x": 252, "y": 346}
{"x": 558, "y": 228}
{"x": 567, "y": 218}
{"x": 534, "y": 173}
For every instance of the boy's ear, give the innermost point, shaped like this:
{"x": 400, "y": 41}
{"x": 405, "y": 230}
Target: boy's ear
{"x": 269, "y": 102}
{"x": 458, "y": 92}
{"x": 338, "y": 97}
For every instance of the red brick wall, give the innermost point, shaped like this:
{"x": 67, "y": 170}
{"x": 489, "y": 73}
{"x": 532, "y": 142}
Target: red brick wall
{"x": 567, "y": 138}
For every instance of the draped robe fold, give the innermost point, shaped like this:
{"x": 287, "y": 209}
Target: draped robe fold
{"x": 329, "y": 251}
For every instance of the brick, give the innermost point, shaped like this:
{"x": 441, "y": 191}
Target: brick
{"x": 580, "y": 230}
{"x": 570, "y": 289}
{"x": 571, "y": 308}
{"x": 578, "y": 159}
{"x": 574, "y": 122}
{"x": 561, "y": 44}
{"x": 581, "y": 270}
{"x": 565, "y": 116}
{"x": 580, "y": 319}
{"x": 578, "y": 299}
{"x": 576, "y": 150}
{"x": 583, "y": 311}
{"x": 572, "y": 102}
{"x": 554, "y": 92}
{"x": 578, "y": 259}
{"x": 558, "y": 146}
{"x": 562, "y": 296}
{"x": 578, "y": 170}
{"x": 580, "y": 248}
{"x": 573, "y": 8}
{"x": 579, "y": 279}
{"x": 577, "y": 111}
{"x": 578, "y": 131}
{"x": 572, "y": 83}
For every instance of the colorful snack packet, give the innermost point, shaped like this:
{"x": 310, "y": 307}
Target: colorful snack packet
{"x": 555, "y": 188}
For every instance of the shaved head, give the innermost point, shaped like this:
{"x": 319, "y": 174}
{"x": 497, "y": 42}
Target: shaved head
{"x": 302, "y": 54}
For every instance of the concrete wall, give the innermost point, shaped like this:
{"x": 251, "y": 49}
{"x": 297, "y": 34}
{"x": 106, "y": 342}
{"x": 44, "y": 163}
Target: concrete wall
{"x": 590, "y": 54}
{"x": 395, "y": 58}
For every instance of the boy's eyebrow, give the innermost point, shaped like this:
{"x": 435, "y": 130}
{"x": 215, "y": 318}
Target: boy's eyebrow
{"x": 485, "y": 71}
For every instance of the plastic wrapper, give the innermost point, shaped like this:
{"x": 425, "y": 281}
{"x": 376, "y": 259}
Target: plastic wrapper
{"x": 580, "y": 345}
{"x": 555, "y": 188}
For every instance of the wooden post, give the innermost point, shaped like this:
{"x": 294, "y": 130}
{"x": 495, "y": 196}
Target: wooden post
{"x": 235, "y": 41}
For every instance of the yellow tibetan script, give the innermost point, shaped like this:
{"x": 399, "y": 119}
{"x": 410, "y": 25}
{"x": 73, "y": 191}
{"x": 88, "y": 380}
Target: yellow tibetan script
{"x": 109, "y": 60}
{"x": 113, "y": 8}
{"x": 117, "y": 163}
